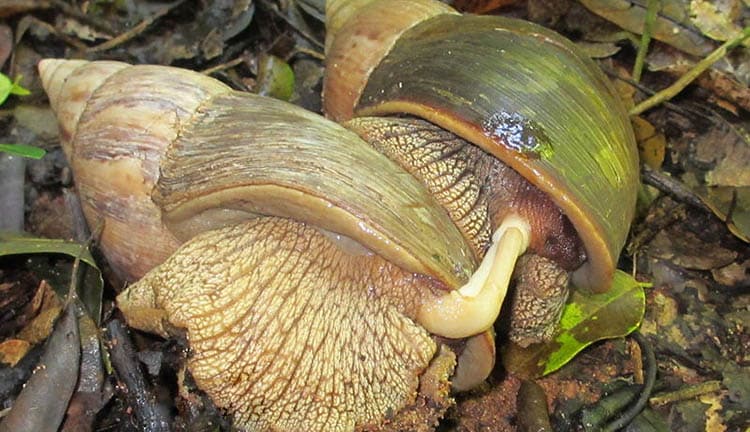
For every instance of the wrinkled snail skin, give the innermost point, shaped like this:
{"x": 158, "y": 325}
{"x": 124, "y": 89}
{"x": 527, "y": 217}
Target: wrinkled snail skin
{"x": 480, "y": 193}
{"x": 340, "y": 314}
{"x": 317, "y": 295}
{"x": 318, "y": 368}
{"x": 552, "y": 116}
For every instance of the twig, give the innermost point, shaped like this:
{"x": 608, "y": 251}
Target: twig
{"x": 645, "y": 38}
{"x": 687, "y": 392}
{"x": 224, "y": 66}
{"x": 649, "y": 362}
{"x": 72, "y": 293}
{"x": 312, "y": 53}
{"x": 75, "y": 43}
{"x": 642, "y": 88}
{"x": 272, "y": 7}
{"x": 637, "y": 356}
{"x": 149, "y": 415}
{"x": 691, "y": 75}
{"x": 135, "y": 31}
{"x": 80, "y": 16}
{"x": 729, "y": 219}
{"x": 672, "y": 187}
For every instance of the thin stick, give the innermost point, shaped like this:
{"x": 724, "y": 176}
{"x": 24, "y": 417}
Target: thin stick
{"x": 685, "y": 111}
{"x": 224, "y": 66}
{"x": 272, "y": 7}
{"x": 645, "y": 38}
{"x": 148, "y": 413}
{"x": 312, "y": 53}
{"x": 691, "y": 75}
{"x": 672, "y": 187}
{"x": 687, "y": 392}
{"x": 135, "y": 31}
{"x": 80, "y": 16}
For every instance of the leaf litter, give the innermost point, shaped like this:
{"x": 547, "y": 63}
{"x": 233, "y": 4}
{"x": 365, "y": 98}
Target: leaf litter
{"x": 695, "y": 255}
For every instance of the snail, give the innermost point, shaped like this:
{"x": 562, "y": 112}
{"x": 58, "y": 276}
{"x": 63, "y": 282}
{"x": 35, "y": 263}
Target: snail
{"x": 338, "y": 277}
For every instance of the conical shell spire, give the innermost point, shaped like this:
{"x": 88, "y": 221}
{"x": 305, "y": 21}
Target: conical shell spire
{"x": 73, "y": 82}
{"x": 116, "y": 121}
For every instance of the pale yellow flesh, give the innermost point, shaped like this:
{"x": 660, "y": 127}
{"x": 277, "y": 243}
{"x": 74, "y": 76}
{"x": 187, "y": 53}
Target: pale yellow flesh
{"x": 475, "y": 362}
{"x": 474, "y": 307}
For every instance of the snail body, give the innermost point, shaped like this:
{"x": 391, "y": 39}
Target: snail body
{"x": 474, "y": 76}
{"x": 324, "y": 273}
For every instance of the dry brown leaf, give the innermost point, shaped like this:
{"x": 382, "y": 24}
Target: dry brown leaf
{"x": 717, "y": 19}
{"x": 651, "y": 144}
{"x": 49, "y": 306}
{"x": 687, "y": 250}
{"x": 13, "y": 7}
{"x": 13, "y": 350}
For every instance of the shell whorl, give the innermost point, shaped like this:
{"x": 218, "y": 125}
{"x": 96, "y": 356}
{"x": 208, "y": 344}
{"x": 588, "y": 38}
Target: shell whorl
{"x": 359, "y": 34}
{"x": 120, "y": 131}
{"x": 72, "y": 82}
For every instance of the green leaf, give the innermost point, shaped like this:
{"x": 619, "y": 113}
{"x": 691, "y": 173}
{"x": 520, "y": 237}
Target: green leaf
{"x": 17, "y": 89}
{"x": 275, "y": 78}
{"x": 8, "y": 87}
{"x": 22, "y": 244}
{"x": 5, "y": 85}
{"x": 586, "y": 318}
{"x": 23, "y": 150}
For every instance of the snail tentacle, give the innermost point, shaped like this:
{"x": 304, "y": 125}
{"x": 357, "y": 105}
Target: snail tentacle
{"x": 474, "y": 307}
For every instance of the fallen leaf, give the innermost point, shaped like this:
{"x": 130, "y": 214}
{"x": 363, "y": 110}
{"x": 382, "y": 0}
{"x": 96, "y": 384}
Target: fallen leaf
{"x": 13, "y": 350}
{"x": 732, "y": 205}
{"x": 726, "y": 83}
{"x": 716, "y": 18}
{"x": 586, "y": 318}
{"x": 735, "y": 274}
{"x": 48, "y": 391}
{"x": 651, "y": 144}
{"x": 598, "y": 49}
{"x": 687, "y": 250}
{"x": 275, "y": 78}
{"x": 48, "y": 306}
{"x": 89, "y": 293}
{"x": 81, "y": 31}
{"x": 39, "y": 120}
{"x": 672, "y": 25}
{"x": 714, "y": 420}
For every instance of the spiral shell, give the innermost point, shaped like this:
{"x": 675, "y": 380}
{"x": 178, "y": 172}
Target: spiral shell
{"x": 519, "y": 91}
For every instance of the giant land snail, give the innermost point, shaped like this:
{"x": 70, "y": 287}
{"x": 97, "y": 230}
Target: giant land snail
{"x": 324, "y": 272}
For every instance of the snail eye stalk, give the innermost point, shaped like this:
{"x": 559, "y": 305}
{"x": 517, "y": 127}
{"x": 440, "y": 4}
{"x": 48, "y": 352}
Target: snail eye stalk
{"x": 474, "y": 307}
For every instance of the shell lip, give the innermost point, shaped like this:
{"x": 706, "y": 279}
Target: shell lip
{"x": 597, "y": 271}
{"x": 590, "y": 171}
